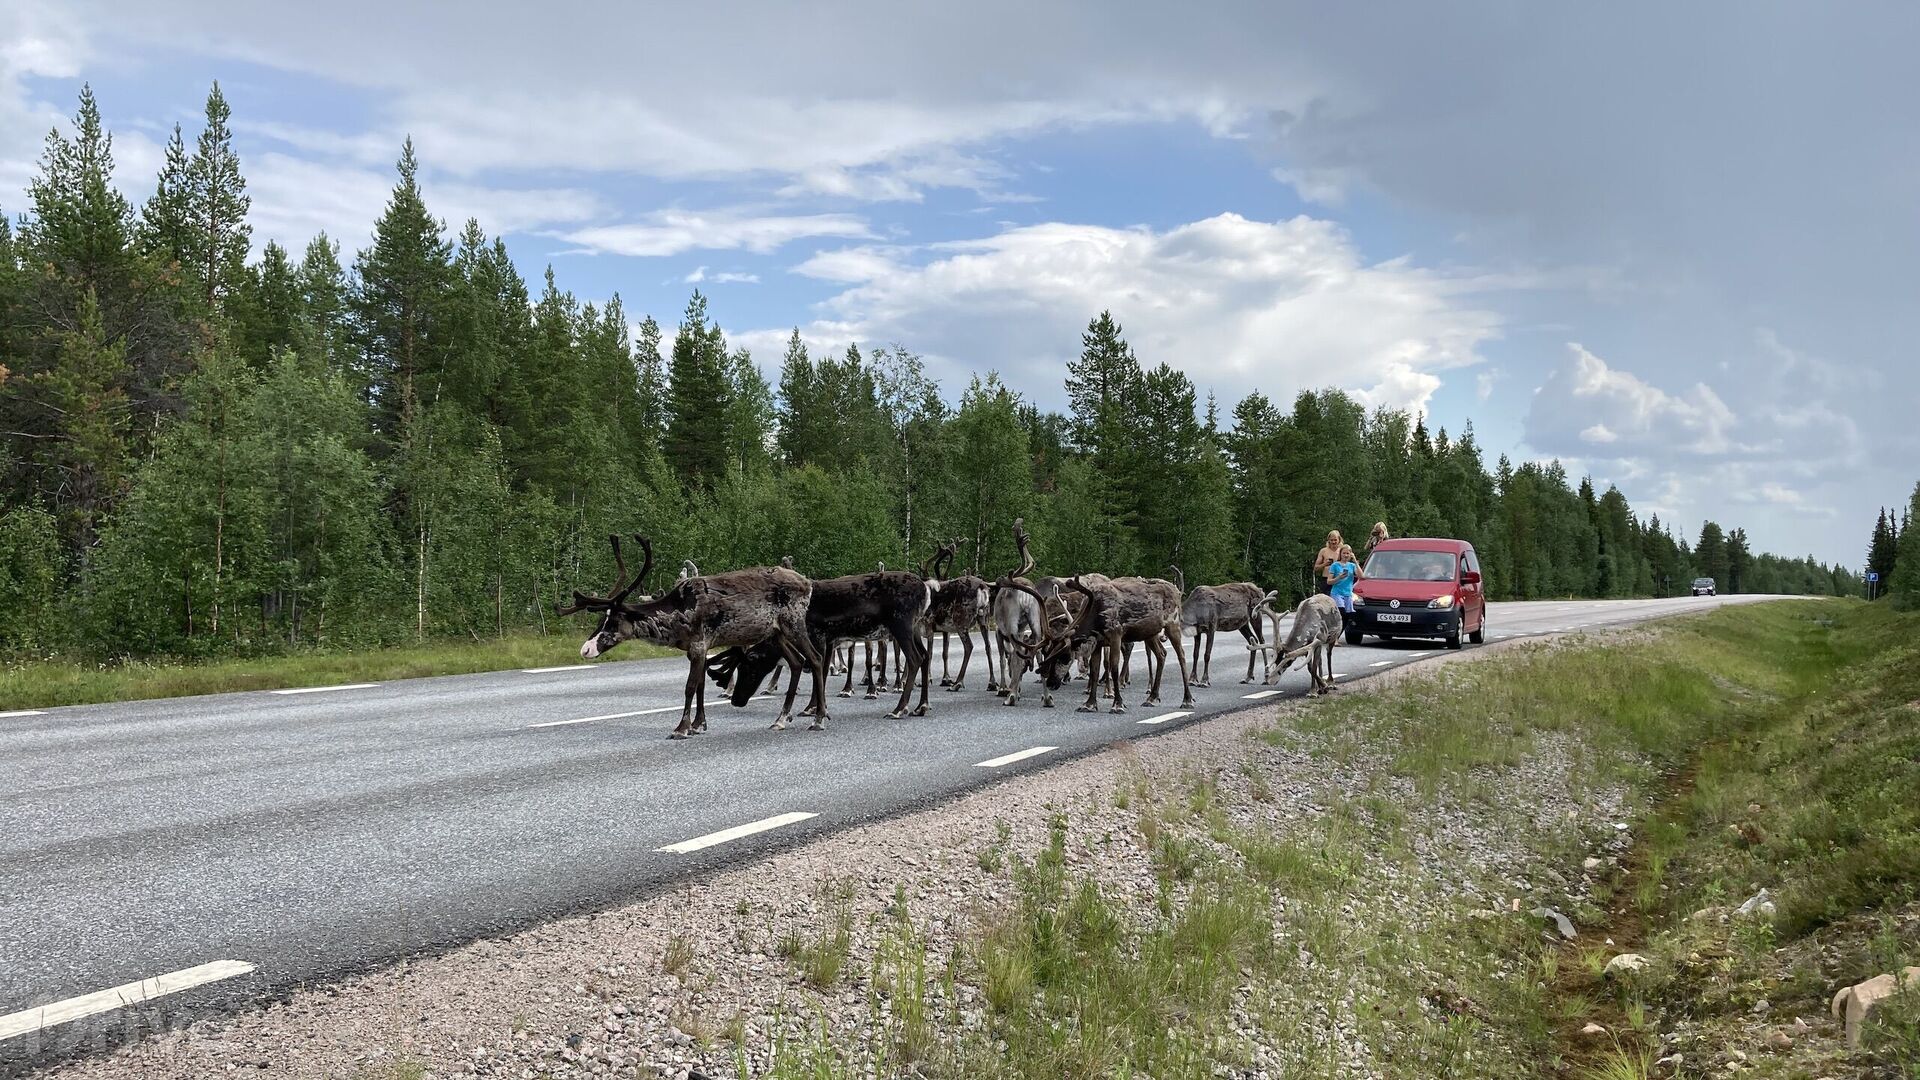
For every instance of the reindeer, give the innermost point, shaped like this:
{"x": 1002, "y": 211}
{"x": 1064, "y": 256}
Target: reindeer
{"x": 1209, "y": 609}
{"x": 763, "y": 605}
{"x": 1115, "y": 612}
{"x": 959, "y": 606}
{"x": 1317, "y": 625}
{"x": 851, "y": 608}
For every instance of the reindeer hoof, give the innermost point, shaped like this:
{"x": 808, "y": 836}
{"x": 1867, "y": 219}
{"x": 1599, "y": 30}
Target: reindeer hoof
{"x": 922, "y": 710}
{"x": 1187, "y": 704}
{"x": 1088, "y": 708}
{"x": 946, "y": 682}
{"x": 1010, "y": 700}
{"x": 846, "y": 693}
{"x": 1117, "y": 709}
{"x": 677, "y": 734}
{"x": 994, "y": 689}
{"x": 818, "y": 725}
{"x": 896, "y": 715}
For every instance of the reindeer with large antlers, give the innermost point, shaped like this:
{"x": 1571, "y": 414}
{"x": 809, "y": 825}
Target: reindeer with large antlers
{"x": 1115, "y": 612}
{"x": 700, "y": 612}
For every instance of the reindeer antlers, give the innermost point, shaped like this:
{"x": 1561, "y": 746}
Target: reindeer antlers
{"x": 622, "y": 588}
{"x": 1026, "y": 555}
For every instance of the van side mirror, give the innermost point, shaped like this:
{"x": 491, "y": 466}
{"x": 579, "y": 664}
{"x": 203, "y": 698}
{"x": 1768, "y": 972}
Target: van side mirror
{"x": 1470, "y": 577}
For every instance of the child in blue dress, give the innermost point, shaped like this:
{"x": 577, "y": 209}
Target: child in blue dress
{"x": 1341, "y": 575}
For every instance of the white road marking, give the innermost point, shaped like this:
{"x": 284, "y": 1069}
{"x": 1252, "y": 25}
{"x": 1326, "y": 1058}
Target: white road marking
{"x": 1381, "y": 663}
{"x": 1164, "y": 717}
{"x": 1257, "y": 695}
{"x": 551, "y": 670}
{"x": 26, "y": 1021}
{"x": 1031, "y": 751}
{"x": 735, "y": 833}
{"x": 22, "y": 712}
{"x": 608, "y": 716}
{"x": 327, "y": 689}
{"x": 1414, "y": 655}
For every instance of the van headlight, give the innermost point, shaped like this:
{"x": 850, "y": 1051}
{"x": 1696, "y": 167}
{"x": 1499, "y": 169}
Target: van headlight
{"x": 1441, "y": 601}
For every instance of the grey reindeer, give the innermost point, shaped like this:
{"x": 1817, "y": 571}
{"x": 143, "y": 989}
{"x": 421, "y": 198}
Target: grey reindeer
{"x": 1316, "y": 628}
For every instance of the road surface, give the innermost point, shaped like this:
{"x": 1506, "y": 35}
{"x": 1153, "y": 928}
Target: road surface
{"x": 302, "y": 836}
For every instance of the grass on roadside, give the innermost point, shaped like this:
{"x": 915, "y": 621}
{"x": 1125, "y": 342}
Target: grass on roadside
{"x": 1356, "y": 935}
{"x": 43, "y": 683}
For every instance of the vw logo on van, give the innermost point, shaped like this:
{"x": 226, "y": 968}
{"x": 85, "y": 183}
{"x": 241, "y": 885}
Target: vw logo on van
{"x": 1393, "y": 603}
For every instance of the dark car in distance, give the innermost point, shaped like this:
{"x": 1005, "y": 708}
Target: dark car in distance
{"x": 1420, "y": 588}
{"x": 1703, "y": 586}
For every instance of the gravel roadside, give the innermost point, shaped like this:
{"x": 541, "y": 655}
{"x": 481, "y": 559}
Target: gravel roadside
{"x": 718, "y": 973}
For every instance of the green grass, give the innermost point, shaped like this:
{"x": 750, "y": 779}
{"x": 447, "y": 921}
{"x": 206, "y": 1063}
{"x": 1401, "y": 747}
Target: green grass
{"x": 1809, "y": 710}
{"x": 42, "y": 683}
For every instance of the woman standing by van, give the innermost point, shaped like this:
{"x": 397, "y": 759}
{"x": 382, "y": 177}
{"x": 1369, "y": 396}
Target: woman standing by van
{"x": 1326, "y": 557}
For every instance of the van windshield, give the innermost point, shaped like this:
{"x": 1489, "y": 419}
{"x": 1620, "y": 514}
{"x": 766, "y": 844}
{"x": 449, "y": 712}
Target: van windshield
{"x": 1411, "y": 566}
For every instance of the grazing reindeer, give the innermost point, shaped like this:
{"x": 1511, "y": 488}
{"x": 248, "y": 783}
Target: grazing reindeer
{"x": 1115, "y": 612}
{"x": 763, "y": 605}
{"x": 959, "y": 606}
{"x": 1317, "y": 624}
{"x": 1020, "y": 618}
{"x": 1209, "y": 609}
{"x": 850, "y": 608}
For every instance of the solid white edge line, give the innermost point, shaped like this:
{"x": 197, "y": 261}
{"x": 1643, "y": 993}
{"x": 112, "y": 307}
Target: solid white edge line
{"x": 608, "y": 716}
{"x": 735, "y": 833}
{"x": 1164, "y": 717}
{"x": 551, "y": 670}
{"x": 1022, "y": 755}
{"x": 22, "y": 712}
{"x": 27, "y": 1021}
{"x": 1258, "y": 694}
{"x": 325, "y": 689}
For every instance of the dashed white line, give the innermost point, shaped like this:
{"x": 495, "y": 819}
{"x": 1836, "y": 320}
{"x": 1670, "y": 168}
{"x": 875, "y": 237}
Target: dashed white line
{"x": 1257, "y": 695}
{"x": 22, "y": 712}
{"x": 27, "y": 1021}
{"x": 735, "y": 833}
{"x": 551, "y": 670}
{"x": 327, "y": 689}
{"x": 1381, "y": 663}
{"x": 608, "y": 716}
{"x": 1021, "y": 755}
{"x": 1413, "y": 655}
{"x": 1164, "y": 717}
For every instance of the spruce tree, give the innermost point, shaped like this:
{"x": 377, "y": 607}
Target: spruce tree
{"x": 217, "y": 205}
{"x": 402, "y": 286}
{"x": 80, "y": 223}
{"x": 1903, "y": 582}
{"x": 322, "y": 288}
{"x": 165, "y": 221}
{"x": 650, "y": 371}
{"x": 798, "y": 409}
{"x": 697, "y": 437}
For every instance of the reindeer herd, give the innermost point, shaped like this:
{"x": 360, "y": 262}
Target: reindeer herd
{"x": 740, "y": 628}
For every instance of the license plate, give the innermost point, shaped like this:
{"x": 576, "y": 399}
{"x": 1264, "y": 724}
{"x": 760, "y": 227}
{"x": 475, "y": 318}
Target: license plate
{"x": 1396, "y": 618}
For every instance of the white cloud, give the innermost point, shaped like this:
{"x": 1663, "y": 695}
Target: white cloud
{"x": 1599, "y": 433}
{"x": 1483, "y": 383}
{"x": 1237, "y": 304}
{"x": 672, "y": 232}
{"x": 724, "y": 277}
{"x": 294, "y": 198}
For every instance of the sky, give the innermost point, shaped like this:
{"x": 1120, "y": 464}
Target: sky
{"x": 1672, "y": 246}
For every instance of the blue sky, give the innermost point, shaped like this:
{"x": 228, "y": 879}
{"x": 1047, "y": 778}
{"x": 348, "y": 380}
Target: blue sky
{"x": 1673, "y": 248}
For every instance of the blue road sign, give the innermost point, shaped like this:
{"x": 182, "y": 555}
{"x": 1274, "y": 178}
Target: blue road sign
{"x": 1872, "y": 577}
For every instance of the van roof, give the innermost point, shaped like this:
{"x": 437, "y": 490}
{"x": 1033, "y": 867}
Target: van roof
{"x": 1423, "y": 543}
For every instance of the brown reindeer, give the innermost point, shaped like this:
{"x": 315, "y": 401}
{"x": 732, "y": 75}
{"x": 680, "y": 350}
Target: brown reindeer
{"x": 1118, "y": 611}
{"x": 1209, "y": 609}
{"x": 702, "y": 612}
{"x": 960, "y": 605}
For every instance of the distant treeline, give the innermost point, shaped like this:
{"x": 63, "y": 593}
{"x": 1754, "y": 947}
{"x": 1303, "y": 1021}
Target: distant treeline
{"x": 205, "y": 455}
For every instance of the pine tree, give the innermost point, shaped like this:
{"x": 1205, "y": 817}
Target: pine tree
{"x": 1903, "y": 582}
{"x": 1104, "y": 387}
{"x": 750, "y": 413}
{"x": 266, "y": 310}
{"x": 1882, "y": 550}
{"x": 86, "y": 389}
{"x": 798, "y": 409}
{"x": 650, "y": 371}
{"x": 697, "y": 437}
{"x": 1710, "y": 556}
{"x": 217, "y": 205}
{"x": 165, "y": 221}
{"x": 322, "y": 288}
{"x": 80, "y": 223}
{"x": 402, "y": 286}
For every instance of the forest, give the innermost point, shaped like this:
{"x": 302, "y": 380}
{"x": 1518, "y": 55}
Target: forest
{"x": 209, "y": 449}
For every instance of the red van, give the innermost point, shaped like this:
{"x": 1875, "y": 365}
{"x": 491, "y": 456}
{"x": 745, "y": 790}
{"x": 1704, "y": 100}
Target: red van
{"x": 1420, "y": 588}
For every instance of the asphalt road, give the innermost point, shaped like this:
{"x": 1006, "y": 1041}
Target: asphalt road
{"x": 315, "y": 834}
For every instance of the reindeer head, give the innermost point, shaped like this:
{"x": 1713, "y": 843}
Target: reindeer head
{"x": 1064, "y": 642}
{"x": 619, "y": 621}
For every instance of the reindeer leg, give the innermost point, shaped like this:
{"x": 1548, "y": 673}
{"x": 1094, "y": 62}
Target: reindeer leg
{"x": 1186, "y": 684}
{"x": 1115, "y": 660}
{"x": 966, "y": 657}
{"x": 816, "y": 657}
{"x": 986, "y": 646}
{"x": 1092, "y": 702}
{"x": 926, "y": 674}
{"x": 946, "y": 642}
{"x": 1251, "y": 632}
{"x": 1157, "y": 660}
{"x": 872, "y": 690}
{"x": 696, "y": 674}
